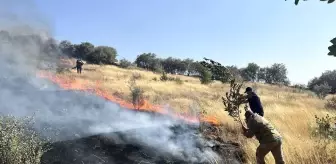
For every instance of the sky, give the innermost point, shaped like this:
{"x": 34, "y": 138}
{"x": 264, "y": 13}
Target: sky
{"x": 231, "y": 32}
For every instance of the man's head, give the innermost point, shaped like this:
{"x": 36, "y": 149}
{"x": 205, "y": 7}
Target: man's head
{"x": 249, "y": 91}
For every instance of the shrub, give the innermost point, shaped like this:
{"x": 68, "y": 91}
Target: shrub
{"x": 164, "y": 76}
{"x": 325, "y": 129}
{"x": 123, "y": 63}
{"x": 205, "y": 77}
{"x": 326, "y": 77}
{"x": 178, "y": 81}
{"x": 136, "y": 76}
{"x": 62, "y": 70}
{"x": 331, "y": 103}
{"x": 155, "y": 79}
{"x": 19, "y": 143}
{"x": 322, "y": 90}
{"x": 137, "y": 93}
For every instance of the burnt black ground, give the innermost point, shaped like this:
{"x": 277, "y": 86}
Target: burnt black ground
{"x": 118, "y": 148}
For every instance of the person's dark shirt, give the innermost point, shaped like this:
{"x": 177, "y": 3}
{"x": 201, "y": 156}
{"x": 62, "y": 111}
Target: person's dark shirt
{"x": 79, "y": 63}
{"x": 255, "y": 104}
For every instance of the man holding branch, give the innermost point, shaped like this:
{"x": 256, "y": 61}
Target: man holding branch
{"x": 269, "y": 138}
{"x": 254, "y": 101}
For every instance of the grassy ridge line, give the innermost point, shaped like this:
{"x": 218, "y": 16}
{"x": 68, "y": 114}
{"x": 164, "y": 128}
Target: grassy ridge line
{"x": 290, "y": 110}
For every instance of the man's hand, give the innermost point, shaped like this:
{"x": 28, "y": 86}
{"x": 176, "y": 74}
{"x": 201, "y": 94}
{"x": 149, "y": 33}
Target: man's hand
{"x": 247, "y": 133}
{"x": 244, "y": 129}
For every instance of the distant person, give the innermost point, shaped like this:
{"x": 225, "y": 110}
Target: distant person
{"x": 79, "y": 64}
{"x": 254, "y": 101}
{"x": 269, "y": 138}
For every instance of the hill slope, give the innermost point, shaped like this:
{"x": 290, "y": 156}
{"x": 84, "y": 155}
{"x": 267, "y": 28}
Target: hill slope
{"x": 290, "y": 110}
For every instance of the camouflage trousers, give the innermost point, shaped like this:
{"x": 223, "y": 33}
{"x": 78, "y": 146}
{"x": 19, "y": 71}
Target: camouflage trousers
{"x": 275, "y": 148}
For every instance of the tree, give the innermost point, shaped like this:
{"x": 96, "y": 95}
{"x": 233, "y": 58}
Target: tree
{"x": 102, "y": 55}
{"x": 328, "y": 77}
{"x": 190, "y": 66}
{"x": 83, "y": 50}
{"x": 250, "y": 73}
{"x": 332, "y": 48}
{"x": 123, "y": 63}
{"x": 145, "y": 60}
{"x": 173, "y": 65}
{"x": 322, "y": 90}
{"x": 218, "y": 71}
{"x": 67, "y": 48}
{"x": 50, "y": 47}
{"x": 156, "y": 66}
{"x": 261, "y": 76}
{"x": 276, "y": 74}
{"x": 235, "y": 72}
{"x": 296, "y": 2}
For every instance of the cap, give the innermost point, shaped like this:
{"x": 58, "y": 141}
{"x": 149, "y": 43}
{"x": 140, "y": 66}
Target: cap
{"x": 248, "y": 89}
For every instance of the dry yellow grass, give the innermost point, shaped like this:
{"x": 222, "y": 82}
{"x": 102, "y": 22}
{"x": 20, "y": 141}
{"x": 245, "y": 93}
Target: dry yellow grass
{"x": 291, "y": 112}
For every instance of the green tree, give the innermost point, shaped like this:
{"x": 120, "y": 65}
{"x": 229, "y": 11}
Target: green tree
{"x": 67, "y": 48}
{"x": 50, "y": 47}
{"x": 235, "y": 72}
{"x": 102, "y": 55}
{"x": 261, "y": 76}
{"x": 296, "y": 2}
{"x": 218, "y": 71}
{"x": 189, "y": 63}
{"x": 250, "y": 73}
{"x": 123, "y": 63}
{"x": 145, "y": 60}
{"x": 276, "y": 74}
{"x": 173, "y": 65}
{"x": 332, "y": 48}
{"x": 328, "y": 77}
{"x": 83, "y": 50}
{"x": 322, "y": 90}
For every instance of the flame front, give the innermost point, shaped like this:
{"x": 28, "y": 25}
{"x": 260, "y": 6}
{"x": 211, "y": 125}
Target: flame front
{"x": 75, "y": 84}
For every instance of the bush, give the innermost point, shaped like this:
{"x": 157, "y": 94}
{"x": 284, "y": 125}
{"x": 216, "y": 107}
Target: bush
{"x": 164, "y": 76}
{"x": 136, "y": 76}
{"x": 326, "y": 77}
{"x": 331, "y": 103}
{"x": 137, "y": 93}
{"x": 123, "y": 63}
{"x": 62, "y": 70}
{"x": 205, "y": 77}
{"x": 322, "y": 90}
{"x": 19, "y": 143}
{"x": 102, "y": 55}
{"x": 178, "y": 81}
{"x": 325, "y": 129}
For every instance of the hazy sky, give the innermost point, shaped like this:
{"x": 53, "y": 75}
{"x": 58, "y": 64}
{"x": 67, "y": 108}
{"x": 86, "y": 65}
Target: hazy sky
{"x": 231, "y": 32}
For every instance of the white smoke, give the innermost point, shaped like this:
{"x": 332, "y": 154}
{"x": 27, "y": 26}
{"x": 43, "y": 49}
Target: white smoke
{"x": 73, "y": 114}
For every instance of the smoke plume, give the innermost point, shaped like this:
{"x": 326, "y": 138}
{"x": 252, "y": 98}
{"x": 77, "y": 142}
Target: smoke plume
{"x": 26, "y": 45}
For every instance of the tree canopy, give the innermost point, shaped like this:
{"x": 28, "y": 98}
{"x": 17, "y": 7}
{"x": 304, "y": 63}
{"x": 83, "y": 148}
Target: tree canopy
{"x": 332, "y": 48}
{"x": 296, "y": 2}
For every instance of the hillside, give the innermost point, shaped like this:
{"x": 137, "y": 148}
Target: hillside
{"x": 291, "y": 110}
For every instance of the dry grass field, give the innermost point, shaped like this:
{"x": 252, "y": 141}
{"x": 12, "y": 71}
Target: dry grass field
{"x": 290, "y": 110}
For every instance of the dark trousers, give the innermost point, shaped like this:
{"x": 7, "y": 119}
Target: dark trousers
{"x": 79, "y": 70}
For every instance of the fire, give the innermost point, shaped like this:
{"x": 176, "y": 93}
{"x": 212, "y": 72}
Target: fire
{"x": 144, "y": 105}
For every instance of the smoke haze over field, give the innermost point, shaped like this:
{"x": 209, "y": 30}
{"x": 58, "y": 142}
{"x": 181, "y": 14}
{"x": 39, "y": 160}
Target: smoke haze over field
{"x": 24, "y": 44}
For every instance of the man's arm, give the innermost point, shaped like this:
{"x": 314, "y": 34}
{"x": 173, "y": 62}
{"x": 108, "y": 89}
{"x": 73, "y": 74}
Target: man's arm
{"x": 245, "y": 99}
{"x": 247, "y": 132}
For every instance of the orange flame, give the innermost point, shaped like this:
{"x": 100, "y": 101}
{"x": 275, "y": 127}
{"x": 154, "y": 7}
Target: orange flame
{"x": 144, "y": 105}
